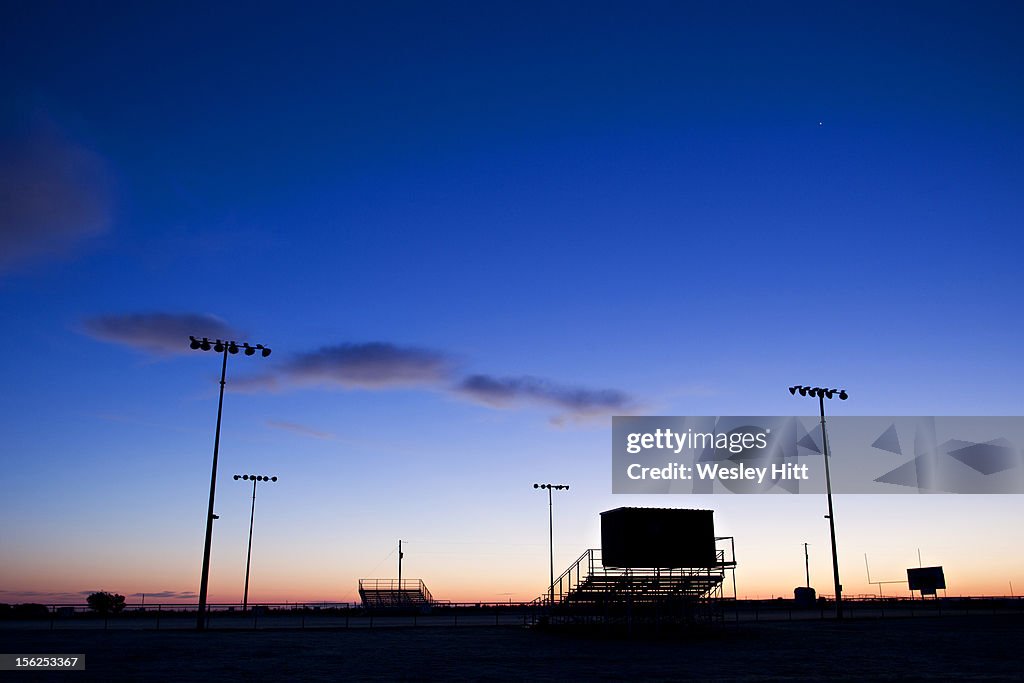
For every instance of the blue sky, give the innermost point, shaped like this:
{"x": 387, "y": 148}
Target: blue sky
{"x": 471, "y": 234}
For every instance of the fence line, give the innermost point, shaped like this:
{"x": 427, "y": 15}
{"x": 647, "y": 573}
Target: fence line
{"x": 288, "y": 615}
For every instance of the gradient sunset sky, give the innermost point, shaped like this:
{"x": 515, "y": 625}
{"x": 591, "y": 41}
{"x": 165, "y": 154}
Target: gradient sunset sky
{"x": 472, "y": 233}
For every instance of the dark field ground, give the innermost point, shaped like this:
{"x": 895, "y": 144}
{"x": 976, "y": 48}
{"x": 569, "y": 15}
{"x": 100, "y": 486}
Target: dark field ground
{"x": 977, "y": 647}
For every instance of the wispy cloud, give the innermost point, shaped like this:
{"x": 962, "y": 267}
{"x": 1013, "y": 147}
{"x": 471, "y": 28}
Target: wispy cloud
{"x": 46, "y": 596}
{"x": 78, "y": 597}
{"x": 166, "y": 595}
{"x": 158, "y": 333}
{"x": 54, "y": 194}
{"x": 372, "y": 365}
{"x": 299, "y": 429}
{"x": 382, "y": 365}
{"x": 510, "y": 392}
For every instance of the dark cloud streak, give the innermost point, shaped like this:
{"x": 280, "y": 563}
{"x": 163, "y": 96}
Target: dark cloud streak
{"x": 158, "y": 333}
{"x": 505, "y": 392}
{"x": 53, "y": 195}
{"x": 370, "y": 366}
{"x": 180, "y": 595}
{"x": 381, "y": 365}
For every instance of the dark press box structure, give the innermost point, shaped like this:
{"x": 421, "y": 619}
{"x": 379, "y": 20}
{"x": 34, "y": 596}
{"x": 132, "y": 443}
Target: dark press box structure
{"x": 658, "y": 537}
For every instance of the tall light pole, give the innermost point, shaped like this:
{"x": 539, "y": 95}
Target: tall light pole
{"x": 821, "y": 395}
{"x": 401, "y": 592}
{"x": 807, "y": 564}
{"x": 252, "y": 513}
{"x": 224, "y": 348}
{"x": 551, "y": 532}
{"x": 400, "y": 556}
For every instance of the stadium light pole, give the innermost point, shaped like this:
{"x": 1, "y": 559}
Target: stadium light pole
{"x": 551, "y": 532}
{"x": 252, "y": 514}
{"x": 821, "y": 394}
{"x": 224, "y": 348}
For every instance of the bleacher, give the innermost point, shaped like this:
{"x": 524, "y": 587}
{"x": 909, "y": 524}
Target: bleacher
{"x": 390, "y": 594}
{"x": 644, "y": 586}
{"x": 590, "y": 592}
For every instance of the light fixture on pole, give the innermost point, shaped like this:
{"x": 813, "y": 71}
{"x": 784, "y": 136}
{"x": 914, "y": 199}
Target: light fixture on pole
{"x": 252, "y": 514}
{"x": 224, "y": 348}
{"x": 821, "y": 394}
{"x": 551, "y": 532}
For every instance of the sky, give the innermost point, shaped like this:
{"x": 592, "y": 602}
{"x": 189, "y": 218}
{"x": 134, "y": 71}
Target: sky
{"x": 472, "y": 233}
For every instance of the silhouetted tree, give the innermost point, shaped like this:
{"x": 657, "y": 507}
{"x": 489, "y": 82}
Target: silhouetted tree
{"x": 106, "y": 603}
